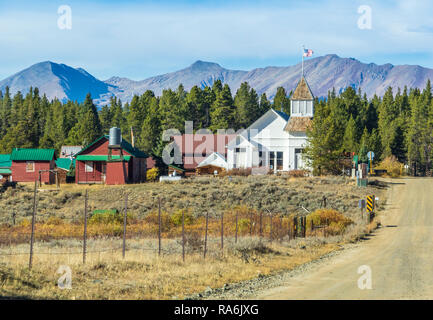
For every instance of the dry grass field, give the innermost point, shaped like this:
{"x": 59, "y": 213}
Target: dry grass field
{"x": 143, "y": 274}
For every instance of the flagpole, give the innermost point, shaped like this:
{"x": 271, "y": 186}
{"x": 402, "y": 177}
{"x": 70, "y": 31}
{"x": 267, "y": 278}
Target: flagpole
{"x": 303, "y": 48}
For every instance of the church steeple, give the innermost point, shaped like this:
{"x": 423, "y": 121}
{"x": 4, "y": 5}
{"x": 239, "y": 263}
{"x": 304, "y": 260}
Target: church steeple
{"x": 302, "y": 100}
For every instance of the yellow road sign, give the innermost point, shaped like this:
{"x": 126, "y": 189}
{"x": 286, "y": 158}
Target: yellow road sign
{"x": 370, "y": 203}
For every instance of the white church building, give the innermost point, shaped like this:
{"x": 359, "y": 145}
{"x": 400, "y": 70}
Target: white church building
{"x": 275, "y": 140}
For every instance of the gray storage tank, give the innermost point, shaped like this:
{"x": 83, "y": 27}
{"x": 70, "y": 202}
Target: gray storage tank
{"x": 115, "y": 138}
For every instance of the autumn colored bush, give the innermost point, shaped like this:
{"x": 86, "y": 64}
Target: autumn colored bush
{"x": 55, "y": 221}
{"x": 393, "y": 167}
{"x": 176, "y": 217}
{"x": 297, "y": 173}
{"x": 152, "y": 174}
{"x": 106, "y": 218}
{"x": 334, "y": 221}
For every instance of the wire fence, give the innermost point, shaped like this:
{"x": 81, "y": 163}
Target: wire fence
{"x": 178, "y": 233}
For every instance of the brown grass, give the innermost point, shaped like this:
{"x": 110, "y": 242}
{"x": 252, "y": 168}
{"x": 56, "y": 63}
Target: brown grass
{"x": 144, "y": 275}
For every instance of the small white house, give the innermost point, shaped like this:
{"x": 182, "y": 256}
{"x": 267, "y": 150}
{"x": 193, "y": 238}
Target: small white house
{"x": 275, "y": 140}
{"x": 215, "y": 159}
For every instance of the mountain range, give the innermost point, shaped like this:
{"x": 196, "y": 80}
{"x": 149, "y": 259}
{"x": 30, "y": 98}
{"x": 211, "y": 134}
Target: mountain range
{"x": 322, "y": 73}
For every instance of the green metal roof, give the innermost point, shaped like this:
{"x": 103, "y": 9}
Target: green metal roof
{"x": 5, "y": 161}
{"x": 91, "y": 157}
{"x": 5, "y": 171}
{"x": 32, "y": 154}
{"x": 65, "y": 163}
{"x": 176, "y": 168}
{"x": 124, "y": 144}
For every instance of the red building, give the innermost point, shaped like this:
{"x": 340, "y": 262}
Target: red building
{"x": 100, "y": 163}
{"x": 29, "y": 165}
{"x": 197, "y": 147}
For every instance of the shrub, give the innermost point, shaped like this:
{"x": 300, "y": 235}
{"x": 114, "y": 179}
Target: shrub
{"x": 166, "y": 223}
{"x": 194, "y": 241}
{"x": 176, "y": 218}
{"x": 106, "y": 218}
{"x": 25, "y": 223}
{"x": 392, "y": 166}
{"x": 297, "y": 173}
{"x": 335, "y": 220}
{"x": 236, "y": 172}
{"x": 54, "y": 221}
{"x": 152, "y": 174}
{"x": 244, "y": 225}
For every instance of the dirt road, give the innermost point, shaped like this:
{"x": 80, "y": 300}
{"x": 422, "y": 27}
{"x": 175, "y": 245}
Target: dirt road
{"x": 400, "y": 255}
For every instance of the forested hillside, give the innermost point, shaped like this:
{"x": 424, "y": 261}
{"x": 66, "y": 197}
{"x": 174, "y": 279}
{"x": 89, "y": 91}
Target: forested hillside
{"x": 398, "y": 124}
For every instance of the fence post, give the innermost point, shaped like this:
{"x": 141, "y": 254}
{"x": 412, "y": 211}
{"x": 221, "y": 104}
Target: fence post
{"x": 13, "y": 217}
{"x": 205, "y": 235}
{"x": 32, "y": 238}
{"x": 236, "y": 232}
{"x": 295, "y": 227}
{"x": 159, "y": 225}
{"x": 312, "y": 226}
{"x": 305, "y": 226}
{"x": 85, "y": 229}
{"x": 183, "y": 236}
{"x": 222, "y": 231}
{"x": 124, "y": 226}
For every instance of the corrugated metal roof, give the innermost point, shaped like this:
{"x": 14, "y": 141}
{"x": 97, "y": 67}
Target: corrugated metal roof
{"x": 32, "y": 154}
{"x": 5, "y": 161}
{"x": 64, "y": 163}
{"x": 5, "y": 171}
{"x": 91, "y": 157}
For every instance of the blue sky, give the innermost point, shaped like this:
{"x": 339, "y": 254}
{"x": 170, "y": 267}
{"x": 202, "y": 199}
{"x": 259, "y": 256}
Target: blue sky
{"x": 138, "y": 39}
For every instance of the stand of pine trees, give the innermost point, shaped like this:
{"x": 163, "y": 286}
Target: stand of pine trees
{"x": 399, "y": 125}
{"x": 35, "y": 122}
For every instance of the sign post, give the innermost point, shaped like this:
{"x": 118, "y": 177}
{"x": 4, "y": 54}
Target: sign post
{"x": 370, "y": 206}
{"x": 361, "y": 205}
{"x": 370, "y": 155}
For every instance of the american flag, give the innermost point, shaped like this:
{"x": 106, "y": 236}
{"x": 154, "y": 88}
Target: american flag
{"x": 308, "y": 52}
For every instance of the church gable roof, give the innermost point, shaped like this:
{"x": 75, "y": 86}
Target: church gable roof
{"x": 298, "y": 124}
{"x": 302, "y": 91}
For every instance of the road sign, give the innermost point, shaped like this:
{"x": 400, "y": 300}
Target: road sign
{"x": 370, "y": 203}
{"x": 361, "y": 204}
{"x": 370, "y": 155}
